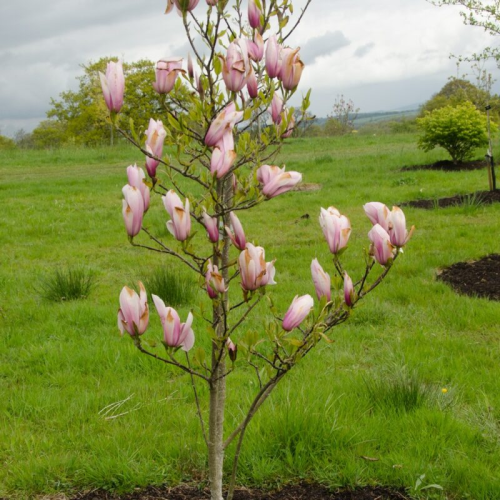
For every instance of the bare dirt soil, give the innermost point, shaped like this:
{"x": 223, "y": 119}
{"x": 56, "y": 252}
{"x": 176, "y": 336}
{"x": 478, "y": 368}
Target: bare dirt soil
{"x": 479, "y": 278}
{"x": 303, "y": 491}
{"x": 448, "y": 166}
{"x": 479, "y": 197}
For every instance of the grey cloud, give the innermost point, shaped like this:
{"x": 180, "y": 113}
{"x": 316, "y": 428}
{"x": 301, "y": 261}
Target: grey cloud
{"x": 364, "y": 49}
{"x": 323, "y": 45}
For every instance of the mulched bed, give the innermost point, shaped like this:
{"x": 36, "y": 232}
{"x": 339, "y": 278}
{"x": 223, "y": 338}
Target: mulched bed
{"x": 449, "y": 166}
{"x": 479, "y": 278}
{"x": 302, "y": 491}
{"x": 484, "y": 197}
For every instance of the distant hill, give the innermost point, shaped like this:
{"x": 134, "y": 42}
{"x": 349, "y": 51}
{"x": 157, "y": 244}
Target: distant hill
{"x": 379, "y": 116}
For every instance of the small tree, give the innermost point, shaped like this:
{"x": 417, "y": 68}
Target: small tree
{"x": 226, "y": 172}
{"x": 341, "y": 121}
{"x": 459, "y": 130}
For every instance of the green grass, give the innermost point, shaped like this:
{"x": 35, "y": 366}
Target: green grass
{"x": 80, "y": 408}
{"x": 67, "y": 284}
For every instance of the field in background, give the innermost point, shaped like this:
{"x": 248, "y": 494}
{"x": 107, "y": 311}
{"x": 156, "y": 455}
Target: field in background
{"x": 376, "y": 393}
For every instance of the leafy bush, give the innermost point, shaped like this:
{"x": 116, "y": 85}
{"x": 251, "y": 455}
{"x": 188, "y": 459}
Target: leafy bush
{"x": 68, "y": 284}
{"x": 6, "y": 143}
{"x": 459, "y": 130}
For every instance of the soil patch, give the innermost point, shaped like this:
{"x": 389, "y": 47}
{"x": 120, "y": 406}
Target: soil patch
{"x": 308, "y": 187}
{"x": 480, "y": 278}
{"x": 479, "y": 197}
{"x": 449, "y": 166}
{"x": 303, "y": 491}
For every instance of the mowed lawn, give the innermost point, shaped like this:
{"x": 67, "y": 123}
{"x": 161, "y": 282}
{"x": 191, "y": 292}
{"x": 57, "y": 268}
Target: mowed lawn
{"x": 375, "y": 393}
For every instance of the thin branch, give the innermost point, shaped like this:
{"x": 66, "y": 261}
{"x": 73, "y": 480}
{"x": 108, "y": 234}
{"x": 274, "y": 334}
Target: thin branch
{"x": 198, "y": 408}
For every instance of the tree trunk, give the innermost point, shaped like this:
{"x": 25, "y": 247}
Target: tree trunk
{"x": 218, "y": 386}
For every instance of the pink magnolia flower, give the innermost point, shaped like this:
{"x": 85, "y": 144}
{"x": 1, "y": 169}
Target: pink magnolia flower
{"x": 181, "y": 5}
{"x": 349, "y": 292}
{"x": 238, "y": 236}
{"x": 252, "y": 85}
{"x": 236, "y": 65}
{"x": 253, "y": 14}
{"x": 397, "y": 228}
{"x": 113, "y": 85}
{"x": 321, "y": 281}
{"x": 276, "y": 108}
{"x": 211, "y": 226}
{"x": 232, "y": 350}
{"x": 212, "y": 3}
{"x": 298, "y": 311}
{"x": 214, "y": 281}
{"x": 276, "y": 181}
{"x": 133, "y": 315}
{"x": 154, "y": 145}
{"x": 256, "y": 47}
{"x": 223, "y": 156}
{"x": 291, "y": 68}
{"x": 254, "y": 270}
{"x": 273, "y": 57}
{"x": 336, "y": 228}
{"x": 180, "y": 224}
{"x": 378, "y": 213}
{"x": 224, "y": 122}
{"x": 381, "y": 247}
{"x": 167, "y": 71}
{"x": 136, "y": 178}
{"x": 133, "y": 209}
{"x": 175, "y": 333}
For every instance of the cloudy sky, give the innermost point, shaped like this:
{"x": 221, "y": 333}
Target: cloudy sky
{"x": 383, "y": 54}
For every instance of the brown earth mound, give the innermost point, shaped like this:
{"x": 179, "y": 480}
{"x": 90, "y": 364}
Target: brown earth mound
{"x": 302, "y": 491}
{"x": 479, "y": 197}
{"x": 449, "y": 166}
{"x": 479, "y": 278}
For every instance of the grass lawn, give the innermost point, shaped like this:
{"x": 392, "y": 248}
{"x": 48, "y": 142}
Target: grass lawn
{"x": 377, "y": 392}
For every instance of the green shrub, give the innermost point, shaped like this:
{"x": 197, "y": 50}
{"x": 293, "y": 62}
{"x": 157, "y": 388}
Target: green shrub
{"x": 459, "y": 130}
{"x": 6, "y": 143}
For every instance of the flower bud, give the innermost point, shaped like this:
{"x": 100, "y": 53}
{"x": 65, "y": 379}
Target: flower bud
{"x": 154, "y": 145}
{"x": 237, "y": 236}
{"x": 211, "y": 227}
{"x": 349, "y": 292}
{"x": 298, "y": 311}
{"x": 381, "y": 249}
{"x": 180, "y": 224}
{"x": 232, "y": 350}
{"x": 136, "y": 178}
{"x": 273, "y": 57}
{"x": 321, "y": 281}
{"x": 291, "y": 68}
{"x": 253, "y": 14}
{"x": 336, "y": 228}
{"x": 276, "y": 108}
{"x": 133, "y": 210}
{"x": 133, "y": 315}
{"x": 113, "y": 85}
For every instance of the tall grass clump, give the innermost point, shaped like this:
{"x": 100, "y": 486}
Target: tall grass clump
{"x": 72, "y": 283}
{"x": 174, "y": 288}
{"x": 402, "y": 392}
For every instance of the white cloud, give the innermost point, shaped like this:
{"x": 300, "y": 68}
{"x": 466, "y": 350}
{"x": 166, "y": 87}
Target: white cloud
{"x": 351, "y": 46}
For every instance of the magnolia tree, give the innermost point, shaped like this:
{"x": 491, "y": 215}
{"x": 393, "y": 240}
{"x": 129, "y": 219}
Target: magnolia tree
{"x": 241, "y": 70}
